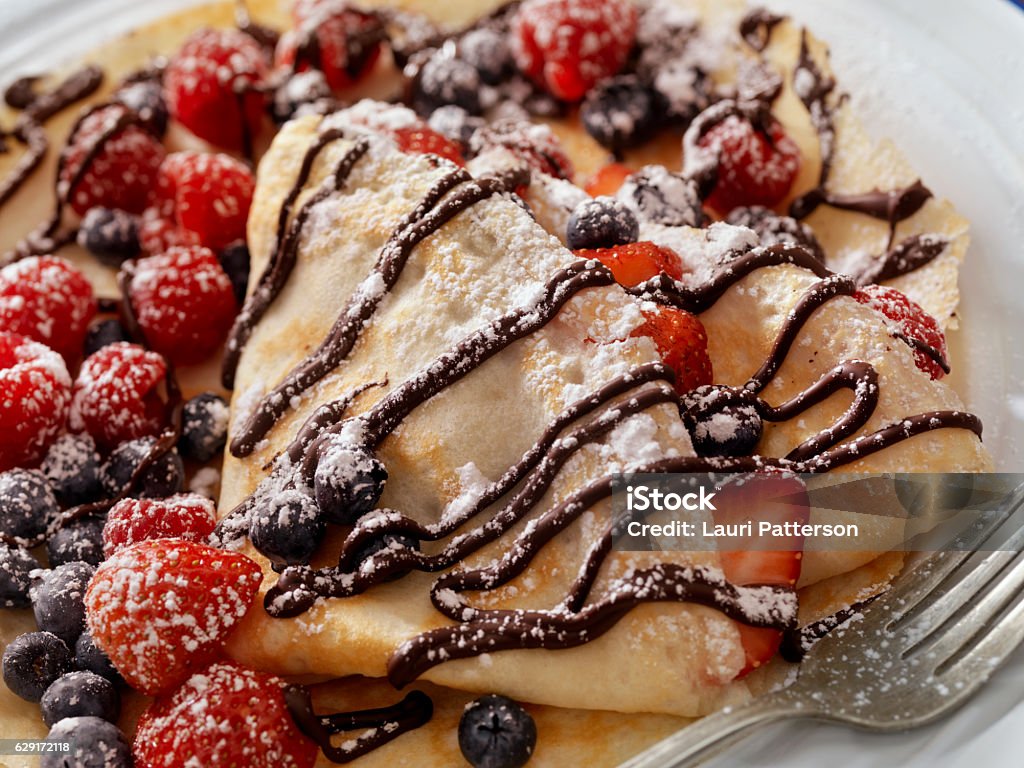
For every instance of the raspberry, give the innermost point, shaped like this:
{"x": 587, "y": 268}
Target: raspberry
{"x": 212, "y": 87}
{"x": 161, "y": 609}
{"x": 344, "y": 43}
{"x": 207, "y": 195}
{"x": 427, "y": 141}
{"x": 48, "y": 300}
{"x": 121, "y": 173}
{"x": 184, "y": 302}
{"x": 222, "y": 717}
{"x": 753, "y": 169}
{"x": 919, "y": 329}
{"x": 158, "y": 233}
{"x": 532, "y": 143}
{"x": 566, "y": 46}
{"x": 185, "y": 516}
{"x": 682, "y": 343}
{"x": 35, "y": 393}
{"x": 115, "y": 396}
{"x": 636, "y": 263}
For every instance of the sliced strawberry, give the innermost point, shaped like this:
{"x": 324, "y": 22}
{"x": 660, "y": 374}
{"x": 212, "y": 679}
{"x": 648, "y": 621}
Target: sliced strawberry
{"x": 225, "y": 716}
{"x": 425, "y": 141}
{"x": 183, "y": 516}
{"x": 917, "y": 327}
{"x": 682, "y": 343}
{"x": 161, "y": 609}
{"x": 608, "y": 179}
{"x": 635, "y": 263}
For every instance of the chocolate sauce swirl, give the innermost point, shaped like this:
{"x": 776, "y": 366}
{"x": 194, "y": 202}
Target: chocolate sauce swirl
{"x": 756, "y": 27}
{"x": 905, "y": 257}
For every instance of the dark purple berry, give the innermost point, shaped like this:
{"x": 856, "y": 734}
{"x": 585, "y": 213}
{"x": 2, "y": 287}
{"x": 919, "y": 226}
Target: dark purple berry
{"x": 488, "y": 52}
{"x": 348, "y": 482}
{"x": 722, "y": 421}
{"x": 89, "y": 657}
{"x": 620, "y": 112}
{"x": 77, "y": 540}
{"x": 288, "y": 529}
{"x": 72, "y": 465}
{"x": 102, "y": 334}
{"x": 95, "y": 743}
{"x": 110, "y": 235}
{"x": 455, "y": 123}
{"x": 80, "y": 694}
{"x": 773, "y": 229}
{"x": 27, "y": 503}
{"x": 204, "y": 427}
{"x": 235, "y": 261}
{"x": 443, "y": 79}
{"x": 58, "y": 599}
{"x": 15, "y": 566}
{"x": 301, "y": 92}
{"x": 32, "y": 661}
{"x": 601, "y": 223}
{"x": 164, "y": 477}
{"x": 145, "y": 98}
{"x": 495, "y": 732}
{"x": 658, "y": 196}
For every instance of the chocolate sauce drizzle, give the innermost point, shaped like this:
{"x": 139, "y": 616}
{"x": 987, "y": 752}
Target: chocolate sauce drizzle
{"x": 797, "y": 641}
{"x": 756, "y": 27}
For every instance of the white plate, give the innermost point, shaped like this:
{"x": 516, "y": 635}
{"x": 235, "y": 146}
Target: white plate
{"x": 942, "y": 78}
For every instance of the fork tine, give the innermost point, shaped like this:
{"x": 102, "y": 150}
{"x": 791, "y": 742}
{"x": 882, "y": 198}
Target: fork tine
{"x": 988, "y": 653}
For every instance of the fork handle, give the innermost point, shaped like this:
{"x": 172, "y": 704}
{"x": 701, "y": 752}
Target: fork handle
{"x": 708, "y": 735}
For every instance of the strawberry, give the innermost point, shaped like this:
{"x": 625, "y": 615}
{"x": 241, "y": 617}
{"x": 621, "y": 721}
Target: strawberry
{"x": 162, "y": 609}
{"x": 426, "y": 141}
{"x": 35, "y": 392}
{"x": 566, "y": 46}
{"x": 116, "y": 394}
{"x": 754, "y": 168}
{"x": 222, "y": 717}
{"x": 777, "y": 498}
{"x": 213, "y": 84}
{"x": 682, "y": 343}
{"x": 122, "y": 159}
{"x": 183, "y": 516}
{"x": 184, "y": 302}
{"x": 205, "y": 194}
{"x": 635, "y": 263}
{"x": 917, "y": 327}
{"x": 608, "y": 179}
{"x": 341, "y": 41}
{"x": 46, "y": 299}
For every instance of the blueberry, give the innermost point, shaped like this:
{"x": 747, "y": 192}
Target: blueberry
{"x": 487, "y": 51}
{"x": 27, "y": 503}
{"x": 80, "y": 694}
{"x": 601, "y": 223}
{"x": 684, "y": 89}
{"x": 146, "y": 99}
{"x": 302, "y": 90}
{"x": 111, "y": 236}
{"x": 387, "y": 541}
{"x": 104, "y": 333}
{"x": 58, "y": 599}
{"x": 80, "y": 539}
{"x": 455, "y": 123}
{"x": 349, "y": 481}
{"x": 620, "y": 112}
{"x": 72, "y": 465}
{"x": 289, "y": 529}
{"x": 15, "y": 566}
{"x": 204, "y": 427}
{"x": 95, "y": 743}
{"x": 444, "y": 79}
{"x": 658, "y": 196}
{"x": 164, "y": 477}
{"x": 773, "y": 229}
{"x": 722, "y": 421}
{"x": 33, "y": 661}
{"x": 495, "y": 732}
{"x": 235, "y": 261}
{"x": 89, "y": 657}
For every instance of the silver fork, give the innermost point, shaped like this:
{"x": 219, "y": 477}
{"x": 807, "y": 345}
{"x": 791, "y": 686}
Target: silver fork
{"x": 916, "y": 653}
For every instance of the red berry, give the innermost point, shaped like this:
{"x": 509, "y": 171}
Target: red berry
{"x": 753, "y": 169}
{"x": 608, "y": 179}
{"x": 912, "y": 322}
{"x": 158, "y": 233}
{"x": 207, "y": 195}
{"x": 116, "y": 395}
{"x": 533, "y": 143}
{"x": 682, "y": 343}
{"x": 121, "y": 168}
{"x": 636, "y": 263}
{"x": 35, "y": 392}
{"x": 162, "y": 609}
{"x": 566, "y": 46}
{"x": 184, "y": 516}
{"x": 344, "y": 43}
{"x": 47, "y": 299}
{"x": 426, "y": 141}
{"x": 212, "y": 87}
{"x": 223, "y": 717}
{"x": 184, "y": 303}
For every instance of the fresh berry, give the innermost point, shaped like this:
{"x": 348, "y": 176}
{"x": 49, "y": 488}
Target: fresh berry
{"x": 487, "y": 51}
{"x": 32, "y": 661}
{"x": 620, "y": 112}
{"x": 206, "y": 194}
{"x": 721, "y": 421}
{"x": 288, "y": 529}
{"x": 495, "y": 732}
{"x": 658, "y": 196}
{"x": 109, "y": 235}
{"x": 90, "y": 658}
{"x": 116, "y": 395}
{"x": 566, "y": 46}
{"x": 212, "y": 86}
{"x": 422, "y": 140}
{"x": 773, "y": 229}
{"x": 163, "y": 608}
{"x": 102, "y": 334}
{"x": 348, "y": 482}
{"x": 80, "y": 694}
{"x": 77, "y": 540}
{"x": 164, "y": 477}
{"x": 533, "y": 143}
{"x": 636, "y": 263}
{"x": 330, "y": 35}
{"x": 184, "y": 303}
{"x": 190, "y": 724}
{"x": 753, "y": 168}
{"x": 122, "y": 159}
{"x": 392, "y": 541}
{"x": 682, "y": 343}
{"x": 608, "y": 179}
{"x": 455, "y": 123}
{"x": 146, "y": 99}
{"x": 302, "y": 93}
{"x": 912, "y": 323}
{"x": 159, "y": 233}
{"x": 72, "y": 467}
{"x": 48, "y": 300}
{"x": 684, "y": 90}
{"x": 601, "y": 222}
{"x": 27, "y": 503}
{"x": 235, "y": 261}
{"x": 15, "y": 566}
{"x": 444, "y": 79}
{"x": 94, "y": 743}
{"x": 204, "y": 427}
{"x": 189, "y": 517}
{"x": 57, "y": 599}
